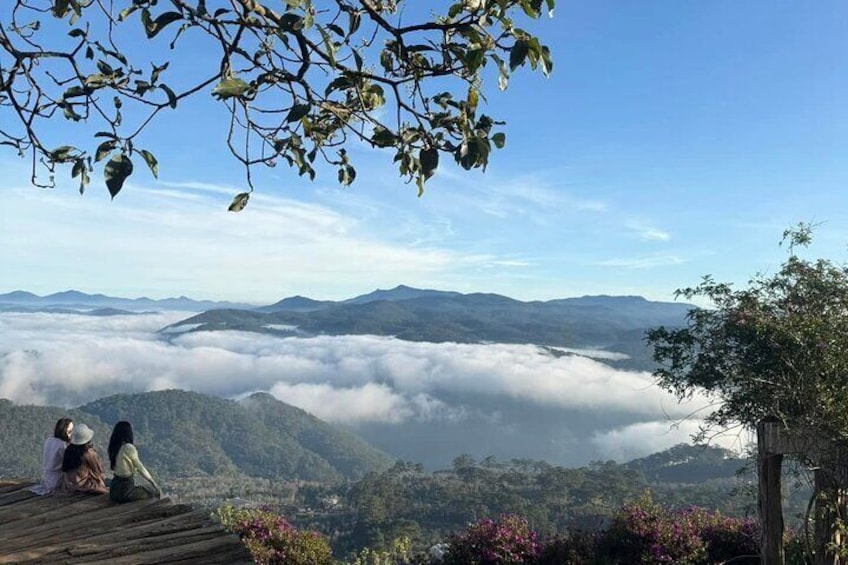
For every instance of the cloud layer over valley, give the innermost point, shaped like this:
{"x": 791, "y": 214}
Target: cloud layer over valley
{"x": 419, "y": 401}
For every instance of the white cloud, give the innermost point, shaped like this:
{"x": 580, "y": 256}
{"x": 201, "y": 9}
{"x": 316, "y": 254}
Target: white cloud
{"x": 643, "y": 262}
{"x": 358, "y": 380}
{"x": 648, "y": 232}
{"x": 643, "y": 438}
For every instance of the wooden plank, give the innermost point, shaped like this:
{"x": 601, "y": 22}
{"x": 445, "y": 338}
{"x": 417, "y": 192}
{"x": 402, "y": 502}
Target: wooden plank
{"x": 11, "y": 486}
{"x": 87, "y": 529}
{"x": 197, "y": 552}
{"x": 89, "y": 550}
{"x": 48, "y": 507}
{"x": 15, "y": 497}
{"x": 62, "y": 528}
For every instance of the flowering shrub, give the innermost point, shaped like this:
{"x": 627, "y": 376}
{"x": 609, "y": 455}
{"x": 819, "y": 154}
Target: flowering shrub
{"x": 271, "y": 540}
{"x": 646, "y": 533}
{"x": 575, "y": 548}
{"x": 728, "y": 538}
{"x": 508, "y": 541}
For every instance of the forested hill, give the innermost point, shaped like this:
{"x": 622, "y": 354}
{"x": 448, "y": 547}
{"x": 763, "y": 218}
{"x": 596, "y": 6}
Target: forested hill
{"x": 185, "y": 434}
{"x": 610, "y": 322}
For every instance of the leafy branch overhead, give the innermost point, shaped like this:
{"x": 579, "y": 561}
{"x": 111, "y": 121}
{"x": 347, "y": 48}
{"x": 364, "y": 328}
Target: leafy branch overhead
{"x": 300, "y": 79}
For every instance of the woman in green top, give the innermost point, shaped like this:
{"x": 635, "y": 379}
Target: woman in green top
{"x": 123, "y": 458}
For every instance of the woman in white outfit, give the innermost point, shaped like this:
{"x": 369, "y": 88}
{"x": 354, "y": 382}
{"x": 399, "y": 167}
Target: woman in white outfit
{"x": 53, "y": 453}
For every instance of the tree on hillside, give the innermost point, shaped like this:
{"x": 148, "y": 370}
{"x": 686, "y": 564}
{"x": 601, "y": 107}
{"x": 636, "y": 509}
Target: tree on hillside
{"x": 300, "y": 79}
{"x": 776, "y": 350}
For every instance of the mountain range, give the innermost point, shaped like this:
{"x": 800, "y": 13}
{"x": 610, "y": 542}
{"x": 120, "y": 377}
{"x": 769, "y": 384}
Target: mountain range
{"x": 613, "y": 323}
{"x": 74, "y": 302}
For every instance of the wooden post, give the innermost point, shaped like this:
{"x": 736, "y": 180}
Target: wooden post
{"x": 770, "y": 503}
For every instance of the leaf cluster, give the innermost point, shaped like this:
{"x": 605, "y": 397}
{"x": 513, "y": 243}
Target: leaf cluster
{"x": 300, "y": 80}
{"x": 776, "y": 349}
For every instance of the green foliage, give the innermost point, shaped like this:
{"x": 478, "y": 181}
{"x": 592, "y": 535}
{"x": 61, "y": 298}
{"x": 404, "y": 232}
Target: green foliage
{"x": 272, "y": 540}
{"x": 398, "y": 552}
{"x": 185, "y": 434}
{"x": 426, "y": 507}
{"x": 776, "y": 349}
{"x": 23, "y": 429}
{"x": 298, "y": 80}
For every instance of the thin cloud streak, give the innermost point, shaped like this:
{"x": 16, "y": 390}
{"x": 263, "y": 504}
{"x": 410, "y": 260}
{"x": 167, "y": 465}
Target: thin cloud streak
{"x": 642, "y": 262}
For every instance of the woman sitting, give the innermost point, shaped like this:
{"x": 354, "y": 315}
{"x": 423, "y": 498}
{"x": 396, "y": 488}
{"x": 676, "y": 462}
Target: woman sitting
{"x": 82, "y": 470}
{"x": 124, "y": 461}
{"x": 52, "y": 455}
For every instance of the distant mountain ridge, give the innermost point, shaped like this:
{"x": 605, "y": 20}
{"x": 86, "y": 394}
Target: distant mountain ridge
{"x": 607, "y": 322}
{"x": 74, "y": 301}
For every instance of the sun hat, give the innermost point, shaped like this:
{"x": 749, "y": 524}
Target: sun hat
{"x": 81, "y": 435}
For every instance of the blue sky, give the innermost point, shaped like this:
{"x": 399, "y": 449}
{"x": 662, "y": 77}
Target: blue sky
{"x": 674, "y": 139}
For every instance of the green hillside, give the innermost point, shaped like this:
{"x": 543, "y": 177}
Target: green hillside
{"x": 23, "y": 429}
{"x": 187, "y": 434}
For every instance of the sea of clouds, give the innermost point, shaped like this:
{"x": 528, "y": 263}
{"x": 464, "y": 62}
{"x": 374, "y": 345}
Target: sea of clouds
{"x": 420, "y": 401}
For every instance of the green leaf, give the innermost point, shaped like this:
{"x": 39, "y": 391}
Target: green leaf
{"x": 291, "y": 22}
{"x": 347, "y": 174}
{"x": 472, "y": 99}
{"x": 229, "y": 88}
{"x": 116, "y": 171}
{"x": 60, "y": 8}
{"x": 105, "y": 67}
{"x": 297, "y": 112}
{"x": 151, "y": 161}
{"x": 153, "y": 27}
{"x": 382, "y": 137}
{"x": 328, "y": 45}
{"x": 80, "y": 170}
{"x": 353, "y": 23}
{"x": 429, "y": 159}
{"x": 79, "y": 166}
{"x": 172, "y": 97}
{"x": 124, "y": 14}
{"x": 529, "y": 8}
{"x": 518, "y": 53}
{"x": 546, "y": 61}
{"x": 61, "y": 154}
{"x": 473, "y": 59}
{"x": 104, "y": 149}
{"x": 239, "y": 202}
{"x": 503, "y": 73}
{"x": 550, "y": 4}
{"x": 499, "y": 139}
{"x": 77, "y": 91}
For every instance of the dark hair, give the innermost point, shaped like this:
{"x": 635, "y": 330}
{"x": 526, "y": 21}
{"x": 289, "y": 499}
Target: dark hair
{"x": 73, "y": 456}
{"x": 61, "y": 429}
{"x": 122, "y": 433}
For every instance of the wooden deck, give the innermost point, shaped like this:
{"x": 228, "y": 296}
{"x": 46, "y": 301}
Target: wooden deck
{"x": 91, "y": 529}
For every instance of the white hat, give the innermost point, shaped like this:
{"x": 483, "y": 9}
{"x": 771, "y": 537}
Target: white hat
{"x": 81, "y": 435}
